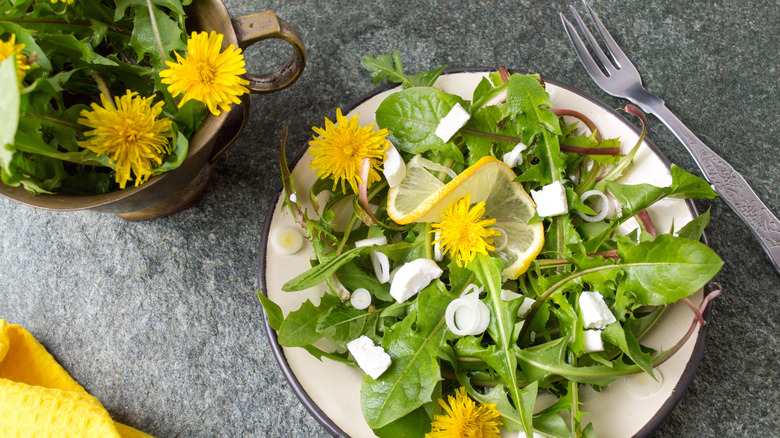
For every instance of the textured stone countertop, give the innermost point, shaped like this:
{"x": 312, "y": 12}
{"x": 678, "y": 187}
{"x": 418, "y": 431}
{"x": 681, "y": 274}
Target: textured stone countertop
{"x": 159, "y": 319}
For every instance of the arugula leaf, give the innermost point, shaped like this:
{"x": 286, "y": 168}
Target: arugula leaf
{"x": 344, "y": 323}
{"x": 501, "y": 327}
{"x": 272, "y": 311}
{"x": 666, "y": 269}
{"x": 635, "y": 198}
{"x": 414, "y": 372}
{"x": 525, "y": 95}
{"x": 694, "y": 229}
{"x": 389, "y": 67}
{"x": 300, "y": 327}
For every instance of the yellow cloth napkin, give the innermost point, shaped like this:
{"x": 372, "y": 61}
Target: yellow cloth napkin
{"x": 39, "y": 398}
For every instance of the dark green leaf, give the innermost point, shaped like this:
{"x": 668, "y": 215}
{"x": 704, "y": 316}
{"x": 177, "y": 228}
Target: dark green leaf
{"x": 412, "y": 116}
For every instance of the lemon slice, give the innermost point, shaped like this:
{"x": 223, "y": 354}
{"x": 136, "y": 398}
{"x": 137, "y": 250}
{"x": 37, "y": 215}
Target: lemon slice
{"x": 421, "y": 197}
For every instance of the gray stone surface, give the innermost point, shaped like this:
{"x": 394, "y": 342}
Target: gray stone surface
{"x": 159, "y": 319}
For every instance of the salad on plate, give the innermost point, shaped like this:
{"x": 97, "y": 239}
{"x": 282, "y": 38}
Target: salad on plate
{"x": 480, "y": 260}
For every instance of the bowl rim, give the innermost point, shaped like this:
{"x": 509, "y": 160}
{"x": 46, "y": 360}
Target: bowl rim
{"x": 660, "y": 416}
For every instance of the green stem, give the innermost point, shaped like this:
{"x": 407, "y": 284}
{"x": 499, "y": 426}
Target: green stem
{"x": 103, "y": 88}
{"x": 447, "y": 163}
{"x": 351, "y": 224}
{"x": 57, "y": 121}
{"x": 156, "y": 30}
{"x": 428, "y": 242}
{"x": 576, "y": 431}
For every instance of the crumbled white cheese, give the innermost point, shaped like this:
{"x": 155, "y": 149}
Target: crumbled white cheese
{"x": 394, "y": 167}
{"x": 593, "y": 341}
{"x": 452, "y": 122}
{"x": 508, "y": 295}
{"x": 515, "y": 156}
{"x": 550, "y": 200}
{"x": 412, "y": 277}
{"x": 372, "y": 359}
{"x": 595, "y": 313}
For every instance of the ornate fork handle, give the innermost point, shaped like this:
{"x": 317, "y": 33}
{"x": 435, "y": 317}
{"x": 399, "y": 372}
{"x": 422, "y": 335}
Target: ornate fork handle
{"x": 727, "y": 182}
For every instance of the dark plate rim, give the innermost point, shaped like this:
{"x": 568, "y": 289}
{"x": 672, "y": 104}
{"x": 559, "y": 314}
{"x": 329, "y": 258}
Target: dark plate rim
{"x": 311, "y": 406}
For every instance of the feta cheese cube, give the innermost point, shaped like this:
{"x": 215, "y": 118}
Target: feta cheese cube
{"x": 452, "y": 122}
{"x": 372, "y": 359}
{"x": 593, "y": 341}
{"x": 413, "y": 277}
{"x": 515, "y": 156}
{"x": 394, "y": 167}
{"x": 550, "y": 200}
{"x": 508, "y": 295}
{"x": 595, "y": 313}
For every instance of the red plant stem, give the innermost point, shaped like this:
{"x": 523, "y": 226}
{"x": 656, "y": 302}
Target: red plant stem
{"x": 697, "y": 315}
{"x": 707, "y": 298}
{"x": 644, "y": 217}
{"x": 611, "y": 254}
{"x": 286, "y": 179}
{"x": 365, "y": 167}
{"x": 504, "y": 74}
{"x": 590, "y": 151}
{"x": 582, "y": 117}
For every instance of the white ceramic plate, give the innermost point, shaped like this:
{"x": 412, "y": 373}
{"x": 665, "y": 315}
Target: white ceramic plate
{"x": 628, "y": 407}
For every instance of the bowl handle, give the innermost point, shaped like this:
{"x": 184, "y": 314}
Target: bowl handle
{"x": 264, "y": 25}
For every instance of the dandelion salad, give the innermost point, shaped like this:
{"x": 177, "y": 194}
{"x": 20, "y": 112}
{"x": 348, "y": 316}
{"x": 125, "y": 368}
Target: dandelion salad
{"x": 486, "y": 276}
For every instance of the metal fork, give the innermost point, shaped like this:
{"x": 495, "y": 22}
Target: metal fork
{"x": 621, "y": 79}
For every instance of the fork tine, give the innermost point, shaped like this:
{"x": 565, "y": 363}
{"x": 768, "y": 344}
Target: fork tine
{"x": 582, "y": 52}
{"x": 594, "y": 45}
{"x": 617, "y": 53}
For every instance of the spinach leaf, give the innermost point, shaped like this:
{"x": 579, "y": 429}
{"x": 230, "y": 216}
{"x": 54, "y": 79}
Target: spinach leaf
{"x": 299, "y": 329}
{"x": 412, "y": 116}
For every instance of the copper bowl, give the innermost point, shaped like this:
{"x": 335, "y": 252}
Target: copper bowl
{"x": 176, "y": 190}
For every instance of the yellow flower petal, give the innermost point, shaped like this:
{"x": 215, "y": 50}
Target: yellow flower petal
{"x": 129, "y": 133}
{"x": 465, "y": 419}
{"x": 206, "y": 74}
{"x": 341, "y": 147}
{"x": 463, "y": 233}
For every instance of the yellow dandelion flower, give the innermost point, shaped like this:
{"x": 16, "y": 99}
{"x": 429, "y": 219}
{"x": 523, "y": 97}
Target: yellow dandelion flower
{"x": 465, "y": 419}
{"x": 462, "y": 232}
{"x": 341, "y": 147}
{"x": 70, "y": 2}
{"x": 129, "y": 133}
{"x": 206, "y": 74}
{"x": 10, "y": 48}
